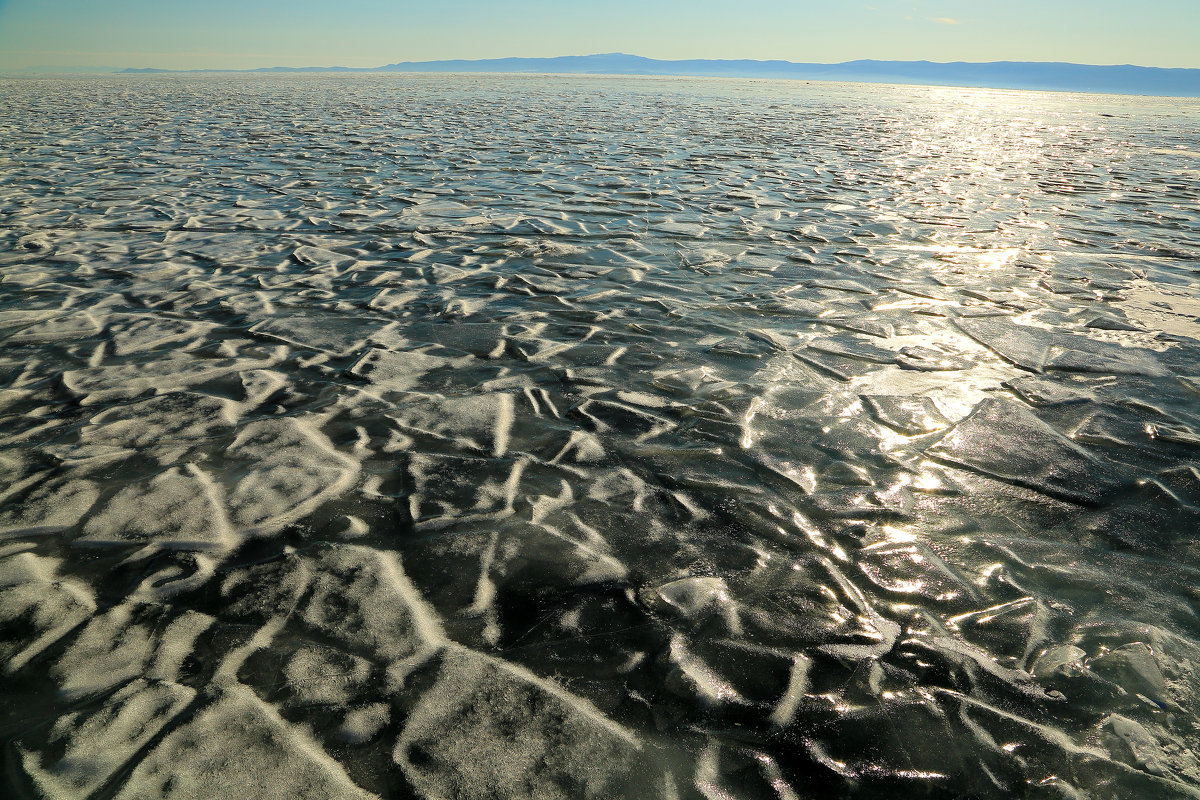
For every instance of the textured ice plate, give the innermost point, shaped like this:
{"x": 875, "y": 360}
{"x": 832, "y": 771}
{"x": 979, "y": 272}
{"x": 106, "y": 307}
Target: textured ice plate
{"x": 527, "y": 437}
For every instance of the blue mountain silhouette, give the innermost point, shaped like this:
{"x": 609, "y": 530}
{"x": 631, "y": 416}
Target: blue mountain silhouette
{"x": 1054, "y": 76}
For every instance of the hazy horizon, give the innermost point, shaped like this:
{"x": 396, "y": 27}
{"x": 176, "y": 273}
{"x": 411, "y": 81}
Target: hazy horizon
{"x": 101, "y": 68}
{"x": 254, "y": 34}
{"x": 1005, "y": 75}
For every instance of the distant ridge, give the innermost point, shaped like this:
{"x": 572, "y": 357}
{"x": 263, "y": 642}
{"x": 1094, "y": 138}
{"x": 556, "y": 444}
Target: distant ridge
{"x": 1046, "y": 76}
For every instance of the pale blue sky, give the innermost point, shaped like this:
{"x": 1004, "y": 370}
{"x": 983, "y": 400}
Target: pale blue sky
{"x": 360, "y": 33}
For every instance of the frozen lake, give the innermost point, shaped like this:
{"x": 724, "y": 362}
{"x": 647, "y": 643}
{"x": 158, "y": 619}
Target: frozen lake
{"x": 474, "y": 437}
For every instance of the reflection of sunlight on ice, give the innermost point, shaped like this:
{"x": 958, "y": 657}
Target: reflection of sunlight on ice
{"x": 985, "y": 575}
{"x": 747, "y": 440}
{"x": 893, "y": 535}
{"x": 927, "y": 481}
{"x": 914, "y": 303}
{"x": 995, "y": 259}
{"x": 986, "y": 615}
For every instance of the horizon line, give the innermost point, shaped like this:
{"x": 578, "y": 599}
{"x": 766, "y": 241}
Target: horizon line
{"x": 1058, "y": 76}
{"x": 612, "y": 55}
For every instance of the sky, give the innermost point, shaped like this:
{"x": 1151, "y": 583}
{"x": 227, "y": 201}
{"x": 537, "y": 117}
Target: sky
{"x": 244, "y": 34}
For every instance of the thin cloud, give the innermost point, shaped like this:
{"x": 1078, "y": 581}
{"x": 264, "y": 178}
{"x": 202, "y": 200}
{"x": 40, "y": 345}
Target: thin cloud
{"x": 944, "y": 20}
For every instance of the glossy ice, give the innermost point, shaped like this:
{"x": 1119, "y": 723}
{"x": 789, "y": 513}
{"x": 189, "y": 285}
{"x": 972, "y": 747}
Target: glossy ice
{"x": 588, "y": 437}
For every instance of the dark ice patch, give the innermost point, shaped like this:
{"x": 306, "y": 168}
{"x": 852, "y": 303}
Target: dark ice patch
{"x": 1039, "y": 350}
{"x": 1003, "y": 440}
{"x": 1045, "y": 392}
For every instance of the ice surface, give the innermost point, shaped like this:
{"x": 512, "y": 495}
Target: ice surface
{"x": 89, "y": 746}
{"x": 179, "y": 508}
{"x": 238, "y": 745}
{"x": 529, "y": 437}
{"x": 487, "y": 729}
{"x": 293, "y": 468}
{"x": 1005, "y": 440}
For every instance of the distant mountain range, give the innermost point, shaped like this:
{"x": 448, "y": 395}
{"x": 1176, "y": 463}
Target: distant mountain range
{"x": 1051, "y": 76}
